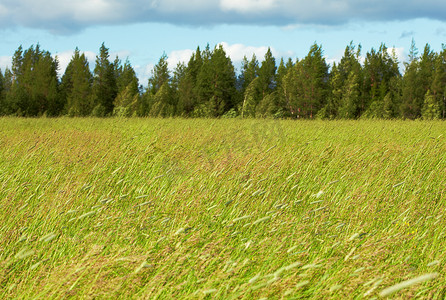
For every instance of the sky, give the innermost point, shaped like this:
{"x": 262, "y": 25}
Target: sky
{"x": 143, "y": 30}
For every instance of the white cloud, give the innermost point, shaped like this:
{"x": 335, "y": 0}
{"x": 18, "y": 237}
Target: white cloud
{"x": 244, "y": 6}
{"x": 5, "y": 62}
{"x": 143, "y": 73}
{"x": 179, "y": 56}
{"x": 237, "y": 51}
{"x": 399, "y": 52}
{"x": 71, "y": 15}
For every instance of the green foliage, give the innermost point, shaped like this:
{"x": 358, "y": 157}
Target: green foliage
{"x": 350, "y": 99}
{"x": 126, "y": 102}
{"x": 431, "y": 107}
{"x": 34, "y": 89}
{"x": 77, "y": 86}
{"x": 251, "y": 96}
{"x": 105, "y": 87}
{"x": 209, "y": 87}
{"x": 215, "y": 86}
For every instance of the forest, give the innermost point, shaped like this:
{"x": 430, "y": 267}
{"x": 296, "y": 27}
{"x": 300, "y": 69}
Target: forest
{"x": 359, "y": 86}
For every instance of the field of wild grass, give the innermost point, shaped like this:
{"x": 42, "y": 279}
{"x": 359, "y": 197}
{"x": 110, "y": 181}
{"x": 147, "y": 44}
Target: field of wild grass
{"x": 222, "y": 209}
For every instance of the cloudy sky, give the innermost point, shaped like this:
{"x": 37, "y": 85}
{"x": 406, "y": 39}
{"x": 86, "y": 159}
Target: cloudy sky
{"x": 143, "y": 30}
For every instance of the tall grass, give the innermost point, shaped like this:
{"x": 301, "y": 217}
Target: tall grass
{"x": 229, "y": 209}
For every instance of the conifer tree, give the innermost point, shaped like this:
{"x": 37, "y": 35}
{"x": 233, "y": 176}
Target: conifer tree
{"x": 127, "y": 100}
{"x": 438, "y": 86}
{"x": 410, "y": 86}
{"x": 381, "y": 74}
{"x": 187, "y": 98}
{"x": 251, "y": 96}
{"x": 315, "y": 81}
{"x": 215, "y": 87}
{"x": 431, "y": 108}
{"x": 249, "y": 71}
{"x": 178, "y": 75}
{"x": 350, "y": 98}
{"x": 331, "y": 109}
{"x": 417, "y": 81}
{"x": 292, "y": 92}
{"x": 105, "y": 88}
{"x": 158, "y": 97}
{"x": 34, "y": 89}
{"x": 77, "y": 86}
{"x": 267, "y": 74}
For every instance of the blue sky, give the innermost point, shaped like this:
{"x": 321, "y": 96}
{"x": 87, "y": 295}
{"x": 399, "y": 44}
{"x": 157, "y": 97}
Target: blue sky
{"x": 143, "y": 30}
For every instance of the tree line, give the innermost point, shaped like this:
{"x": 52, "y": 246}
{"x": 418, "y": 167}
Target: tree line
{"x": 370, "y": 86}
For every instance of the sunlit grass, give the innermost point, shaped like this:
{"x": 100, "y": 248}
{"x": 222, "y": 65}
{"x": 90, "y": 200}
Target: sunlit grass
{"x": 241, "y": 209}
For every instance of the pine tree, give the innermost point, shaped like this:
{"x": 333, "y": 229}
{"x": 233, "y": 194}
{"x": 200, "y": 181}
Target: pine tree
{"x": 77, "y": 86}
{"x": 215, "y": 86}
{"x": 127, "y": 101}
{"x": 105, "y": 88}
{"x": 158, "y": 95}
{"x": 350, "y": 98}
{"x": 250, "y": 99}
{"x": 331, "y": 109}
{"x": 178, "y": 75}
{"x": 431, "y": 108}
{"x": 438, "y": 85}
{"x": 417, "y": 81}
{"x": 381, "y": 75}
{"x": 315, "y": 81}
{"x": 187, "y": 98}
{"x": 249, "y": 71}
{"x": 292, "y": 92}
{"x": 160, "y": 75}
{"x": 409, "y": 106}
{"x": 34, "y": 89}
{"x": 267, "y": 74}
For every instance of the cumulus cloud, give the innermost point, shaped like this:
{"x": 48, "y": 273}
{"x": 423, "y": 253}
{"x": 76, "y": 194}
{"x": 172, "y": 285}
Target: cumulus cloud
{"x": 143, "y": 72}
{"x": 179, "y": 56}
{"x": 64, "y": 16}
{"x": 5, "y": 62}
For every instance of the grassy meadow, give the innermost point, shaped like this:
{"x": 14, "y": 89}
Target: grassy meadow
{"x": 222, "y": 209}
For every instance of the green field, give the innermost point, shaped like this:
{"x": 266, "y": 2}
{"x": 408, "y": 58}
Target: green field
{"x": 222, "y": 209}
